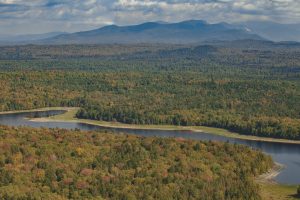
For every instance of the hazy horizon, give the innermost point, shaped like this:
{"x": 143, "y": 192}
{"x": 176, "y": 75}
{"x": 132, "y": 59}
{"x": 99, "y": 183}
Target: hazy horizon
{"x": 101, "y": 26}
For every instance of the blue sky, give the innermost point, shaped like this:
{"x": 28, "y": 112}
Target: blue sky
{"x": 40, "y": 16}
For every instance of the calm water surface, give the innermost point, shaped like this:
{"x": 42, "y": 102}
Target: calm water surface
{"x": 286, "y": 154}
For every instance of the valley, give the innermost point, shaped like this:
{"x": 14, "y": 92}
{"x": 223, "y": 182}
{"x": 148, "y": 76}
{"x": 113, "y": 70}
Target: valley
{"x": 150, "y": 100}
{"x": 225, "y": 93}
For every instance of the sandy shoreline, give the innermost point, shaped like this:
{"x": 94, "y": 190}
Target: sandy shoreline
{"x": 122, "y": 126}
{"x": 37, "y": 110}
{"x": 269, "y": 177}
{"x": 69, "y": 117}
{"x": 113, "y": 126}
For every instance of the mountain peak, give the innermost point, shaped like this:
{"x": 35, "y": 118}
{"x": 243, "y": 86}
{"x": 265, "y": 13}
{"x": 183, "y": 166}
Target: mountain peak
{"x": 194, "y": 21}
{"x": 192, "y": 24}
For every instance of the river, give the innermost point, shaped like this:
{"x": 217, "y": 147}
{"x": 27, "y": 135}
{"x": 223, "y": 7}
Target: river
{"x": 286, "y": 154}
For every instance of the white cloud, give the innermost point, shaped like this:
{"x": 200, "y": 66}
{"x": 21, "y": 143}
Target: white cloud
{"x": 19, "y": 16}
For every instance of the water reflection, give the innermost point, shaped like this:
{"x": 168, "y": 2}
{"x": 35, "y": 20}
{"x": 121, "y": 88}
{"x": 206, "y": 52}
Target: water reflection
{"x": 287, "y": 154}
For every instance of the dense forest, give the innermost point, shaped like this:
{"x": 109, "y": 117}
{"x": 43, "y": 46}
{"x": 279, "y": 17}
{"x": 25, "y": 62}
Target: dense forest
{"x": 65, "y": 164}
{"x": 249, "y": 87}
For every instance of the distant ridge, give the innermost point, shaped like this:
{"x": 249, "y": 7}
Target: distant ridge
{"x": 186, "y": 32}
{"x": 28, "y": 38}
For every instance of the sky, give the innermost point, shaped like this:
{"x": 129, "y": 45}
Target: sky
{"x": 41, "y": 16}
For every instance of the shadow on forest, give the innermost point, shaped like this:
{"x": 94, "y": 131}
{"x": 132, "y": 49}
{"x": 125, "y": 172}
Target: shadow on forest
{"x": 297, "y": 196}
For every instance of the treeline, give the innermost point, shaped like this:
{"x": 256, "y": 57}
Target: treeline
{"x": 62, "y": 164}
{"x": 37, "y": 52}
{"x": 258, "y": 126}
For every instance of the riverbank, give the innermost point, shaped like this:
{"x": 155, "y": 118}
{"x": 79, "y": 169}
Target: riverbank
{"x": 69, "y": 116}
{"x": 269, "y": 177}
{"x": 278, "y": 192}
{"x": 38, "y": 110}
{"x": 271, "y": 190}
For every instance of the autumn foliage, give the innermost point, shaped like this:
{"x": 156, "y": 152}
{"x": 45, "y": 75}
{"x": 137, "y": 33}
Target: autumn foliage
{"x": 35, "y": 165}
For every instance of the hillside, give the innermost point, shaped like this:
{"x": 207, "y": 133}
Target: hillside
{"x": 61, "y": 164}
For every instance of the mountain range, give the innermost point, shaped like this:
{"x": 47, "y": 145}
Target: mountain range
{"x": 186, "y": 32}
{"x": 28, "y": 38}
{"x": 193, "y": 31}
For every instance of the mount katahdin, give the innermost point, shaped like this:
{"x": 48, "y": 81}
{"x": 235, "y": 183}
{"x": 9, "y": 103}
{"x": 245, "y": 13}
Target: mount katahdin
{"x": 192, "y": 31}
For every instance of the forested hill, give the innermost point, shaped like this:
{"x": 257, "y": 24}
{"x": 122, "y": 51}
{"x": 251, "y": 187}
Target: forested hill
{"x": 61, "y": 164}
{"x": 252, "y": 89}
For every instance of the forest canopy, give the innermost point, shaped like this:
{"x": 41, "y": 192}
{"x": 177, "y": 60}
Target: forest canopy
{"x": 69, "y": 164}
{"x": 249, "y": 87}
